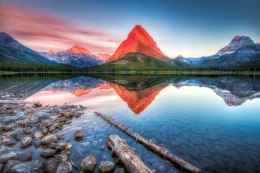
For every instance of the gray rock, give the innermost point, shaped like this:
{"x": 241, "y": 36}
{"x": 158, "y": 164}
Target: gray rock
{"x": 8, "y": 119}
{"x": 34, "y": 166}
{"x": 58, "y": 146}
{"x": 43, "y": 115}
{"x": 52, "y": 165}
{"x": 106, "y": 167}
{"x": 37, "y": 134}
{"x": 47, "y": 152}
{"x": 1, "y": 167}
{"x": 68, "y": 146}
{"x": 9, "y": 164}
{"x": 25, "y": 141}
{"x": 88, "y": 164}
{"x": 1, "y": 127}
{"x": 36, "y": 142}
{"x": 24, "y": 155}
{"x": 64, "y": 167}
{"x": 18, "y": 131}
{"x": 119, "y": 170}
{"x": 8, "y": 141}
{"x": 49, "y": 139}
{"x": 7, "y": 156}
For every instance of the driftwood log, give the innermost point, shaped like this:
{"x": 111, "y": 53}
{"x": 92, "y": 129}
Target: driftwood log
{"x": 152, "y": 146}
{"x": 16, "y": 102}
{"x": 126, "y": 155}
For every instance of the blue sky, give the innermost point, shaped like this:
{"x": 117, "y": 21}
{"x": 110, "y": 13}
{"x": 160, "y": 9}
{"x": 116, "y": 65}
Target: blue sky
{"x": 189, "y": 27}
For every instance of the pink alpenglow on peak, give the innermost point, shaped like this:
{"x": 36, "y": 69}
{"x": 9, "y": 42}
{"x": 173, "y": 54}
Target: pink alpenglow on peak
{"x": 104, "y": 56}
{"x": 138, "y": 40}
{"x": 79, "y": 50}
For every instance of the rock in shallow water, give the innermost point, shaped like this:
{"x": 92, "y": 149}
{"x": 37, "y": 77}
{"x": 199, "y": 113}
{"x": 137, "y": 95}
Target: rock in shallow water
{"x": 64, "y": 167}
{"x": 7, "y": 156}
{"x": 49, "y": 139}
{"x": 24, "y": 155}
{"x": 52, "y": 165}
{"x": 78, "y": 135}
{"x": 36, "y": 142}
{"x": 106, "y": 167}
{"x": 88, "y": 164}
{"x": 47, "y": 152}
{"x": 34, "y": 166}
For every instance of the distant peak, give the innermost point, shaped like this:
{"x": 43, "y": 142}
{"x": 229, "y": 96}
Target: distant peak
{"x": 257, "y": 42}
{"x": 79, "y": 50}
{"x": 239, "y": 38}
{"x": 179, "y": 56}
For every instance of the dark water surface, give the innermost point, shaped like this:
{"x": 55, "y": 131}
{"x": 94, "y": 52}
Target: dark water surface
{"x": 212, "y": 122}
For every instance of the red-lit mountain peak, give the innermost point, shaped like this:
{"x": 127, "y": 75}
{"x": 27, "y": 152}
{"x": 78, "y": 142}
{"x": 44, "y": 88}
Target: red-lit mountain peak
{"x": 79, "y": 50}
{"x": 138, "y": 40}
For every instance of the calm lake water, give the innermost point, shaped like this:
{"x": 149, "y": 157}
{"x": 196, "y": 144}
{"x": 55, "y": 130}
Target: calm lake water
{"x": 212, "y": 122}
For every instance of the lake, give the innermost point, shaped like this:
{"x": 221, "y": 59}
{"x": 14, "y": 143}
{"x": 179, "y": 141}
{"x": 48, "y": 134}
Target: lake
{"x": 211, "y": 122}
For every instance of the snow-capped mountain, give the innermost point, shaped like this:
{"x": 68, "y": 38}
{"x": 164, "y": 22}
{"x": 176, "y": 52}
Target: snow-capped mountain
{"x": 236, "y": 43}
{"x": 75, "y": 56}
{"x": 240, "y": 52}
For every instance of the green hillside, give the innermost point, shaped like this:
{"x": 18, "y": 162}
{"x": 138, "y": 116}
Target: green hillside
{"x": 139, "y": 62}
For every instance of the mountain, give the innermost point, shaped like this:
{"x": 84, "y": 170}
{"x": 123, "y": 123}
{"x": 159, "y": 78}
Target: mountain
{"x": 139, "y": 62}
{"x": 103, "y": 56}
{"x": 241, "y": 52}
{"x": 138, "y": 40}
{"x": 13, "y": 51}
{"x": 236, "y": 43}
{"x": 75, "y": 56}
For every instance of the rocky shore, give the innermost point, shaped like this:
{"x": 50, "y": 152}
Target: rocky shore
{"x": 29, "y": 142}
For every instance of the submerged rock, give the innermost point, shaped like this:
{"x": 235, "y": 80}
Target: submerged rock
{"x": 64, "y": 167}
{"x": 34, "y": 166}
{"x": 58, "y": 146}
{"x": 47, "y": 152}
{"x": 52, "y": 165}
{"x": 36, "y": 142}
{"x": 106, "y": 167}
{"x": 119, "y": 170}
{"x": 88, "y": 164}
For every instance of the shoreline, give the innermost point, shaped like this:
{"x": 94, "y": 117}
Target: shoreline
{"x": 29, "y": 129}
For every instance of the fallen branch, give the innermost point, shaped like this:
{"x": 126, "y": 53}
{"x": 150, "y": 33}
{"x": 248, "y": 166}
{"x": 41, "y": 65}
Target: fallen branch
{"x": 126, "y": 155}
{"x": 152, "y": 146}
{"x": 16, "y": 102}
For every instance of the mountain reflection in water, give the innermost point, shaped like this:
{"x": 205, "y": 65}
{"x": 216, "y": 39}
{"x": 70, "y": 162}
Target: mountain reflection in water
{"x": 139, "y": 92}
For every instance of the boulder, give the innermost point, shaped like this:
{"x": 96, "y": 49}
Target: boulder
{"x": 58, "y": 146}
{"x": 24, "y": 155}
{"x": 36, "y": 142}
{"x": 7, "y": 156}
{"x": 88, "y": 164}
{"x": 64, "y": 167}
{"x": 52, "y": 165}
{"x": 106, "y": 167}
{"x": 25, "y": 141}
{"x": 49, "y": 139}
{"x": 9, "y": 164}
{"x": 34, "y": 166}
{"x": 9, "y": 141}
{"x": 119, "y": 170}
{"x": 47, "y": 152}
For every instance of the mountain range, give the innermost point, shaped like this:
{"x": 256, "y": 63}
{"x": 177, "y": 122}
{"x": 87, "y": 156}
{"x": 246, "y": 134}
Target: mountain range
{"x": 240, "y": 52}
{"x": 137, "y": 52}
{"x": 75, "y": 56}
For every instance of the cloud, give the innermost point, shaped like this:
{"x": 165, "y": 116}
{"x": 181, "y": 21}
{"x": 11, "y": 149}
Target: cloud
{"x": 42, "y": 31}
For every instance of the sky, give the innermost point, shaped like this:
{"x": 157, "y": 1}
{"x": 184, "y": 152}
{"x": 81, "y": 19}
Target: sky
{"x": 179, "y": 27}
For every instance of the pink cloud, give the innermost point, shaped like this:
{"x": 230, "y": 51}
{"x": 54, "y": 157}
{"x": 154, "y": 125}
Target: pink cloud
{"x": 41, "y": 31}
